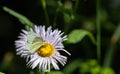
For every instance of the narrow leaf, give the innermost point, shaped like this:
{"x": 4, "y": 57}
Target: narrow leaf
{"x": 24, "y": 20}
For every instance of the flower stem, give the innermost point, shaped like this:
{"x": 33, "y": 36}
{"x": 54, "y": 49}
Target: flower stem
{"x": 76, "y": 5}
{"x": 46, "y": 73}
{"x": 112, "y": 49}
{"x": 55, "y": 18}
{"x": 45, "y": 12}
{"x": 109, "y": 56}
{"x": 98, "y": 31}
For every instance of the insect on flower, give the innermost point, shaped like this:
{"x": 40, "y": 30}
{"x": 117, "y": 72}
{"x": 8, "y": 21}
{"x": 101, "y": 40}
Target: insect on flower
{"x": 41, "y": 47}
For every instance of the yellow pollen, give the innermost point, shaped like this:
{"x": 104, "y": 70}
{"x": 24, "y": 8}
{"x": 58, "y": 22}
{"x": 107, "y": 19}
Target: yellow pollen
{"x": 46, "y": 50}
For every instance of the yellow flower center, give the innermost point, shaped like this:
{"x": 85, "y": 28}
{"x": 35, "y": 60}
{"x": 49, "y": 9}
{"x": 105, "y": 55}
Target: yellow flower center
{"x": 46, "y": 50}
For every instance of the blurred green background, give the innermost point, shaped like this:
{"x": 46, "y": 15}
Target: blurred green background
{"x": 89, "y": 24}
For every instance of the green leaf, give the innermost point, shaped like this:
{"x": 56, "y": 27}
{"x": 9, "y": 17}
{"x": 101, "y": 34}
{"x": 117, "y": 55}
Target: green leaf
{"x": 78, "y": 34}
{"x": 56, "y": 72}
{"x": 71, "y": 67}
{"x": 83, "y": 68}
{"x": 2, "y": 73}
{"x": 96, "y": 70}
{"x": 108, "y": 71}
{"x": 24, "y": 20}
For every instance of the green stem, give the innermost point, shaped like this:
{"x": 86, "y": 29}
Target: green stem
{"x": 66, "y": 27}
{"x": 98, "y": 31}
{"x": 31, "y": 72}
{"x": 46, "y": 73}
{"x": 109, "y": 56}
{"x": 55, "y": 19}
{"x": 37, "y": 70}
{"x": 45, "y": 12}
{"x": 111, "y": 51}
{"x": 42, "y": 72}
{"x": 76, "y": 5}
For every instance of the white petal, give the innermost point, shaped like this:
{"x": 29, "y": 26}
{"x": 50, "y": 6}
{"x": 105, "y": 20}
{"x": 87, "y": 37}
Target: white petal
{"x": 35, "y": 63}
{"x": 64, "y": 51}
{"x": 54, "y": 64}
{"x": 41, "y": 62}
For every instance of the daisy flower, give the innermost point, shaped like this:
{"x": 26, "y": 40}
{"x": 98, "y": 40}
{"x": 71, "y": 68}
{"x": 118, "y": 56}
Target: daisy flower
{"x": 41, "y": 47}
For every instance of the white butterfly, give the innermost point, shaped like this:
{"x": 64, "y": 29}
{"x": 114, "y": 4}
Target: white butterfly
{"x": 34, "y": 42}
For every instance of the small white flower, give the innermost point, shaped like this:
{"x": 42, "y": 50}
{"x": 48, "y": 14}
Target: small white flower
{"x": 41, "y": 47}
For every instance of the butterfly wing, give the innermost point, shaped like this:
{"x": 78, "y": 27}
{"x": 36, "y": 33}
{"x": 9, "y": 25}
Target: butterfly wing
{"x": 34, "y": 42}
